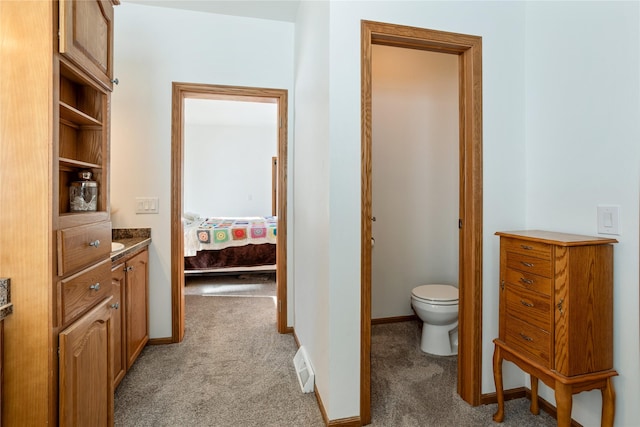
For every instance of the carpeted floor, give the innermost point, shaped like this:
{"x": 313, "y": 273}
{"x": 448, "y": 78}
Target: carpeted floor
{"x": 234, "y": 369}
{"x": 410, "y": 388}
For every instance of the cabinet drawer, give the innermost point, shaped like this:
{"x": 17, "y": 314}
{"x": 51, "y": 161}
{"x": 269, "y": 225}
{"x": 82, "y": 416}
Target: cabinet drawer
{"x": 528, "y": 339}
{"x": 528, "y": 281}
{"x": 527, "y": 247}
{"x": 81, "y": 246}
{"x": 82, "y": 291}
{"x": 530, "y": 307}
{"x": 529, "y": 264}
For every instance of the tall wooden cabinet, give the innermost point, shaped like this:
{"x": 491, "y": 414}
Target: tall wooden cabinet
{"x": 556, "y": 316}
{"x": 55, "y": 87}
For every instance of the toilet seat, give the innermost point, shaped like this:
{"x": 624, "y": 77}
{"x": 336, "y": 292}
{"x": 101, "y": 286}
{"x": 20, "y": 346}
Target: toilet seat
{"x": 436, "y": 294}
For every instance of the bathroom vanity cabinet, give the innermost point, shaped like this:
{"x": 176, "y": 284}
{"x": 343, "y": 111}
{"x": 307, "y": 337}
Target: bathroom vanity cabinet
{"x": 55, "y": 121}
{"x": 131, "y": 328}
{"x": 556, "y": 316}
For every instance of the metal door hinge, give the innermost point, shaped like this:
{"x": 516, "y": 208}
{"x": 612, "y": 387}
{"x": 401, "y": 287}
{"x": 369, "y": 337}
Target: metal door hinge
{"x": 459, "y": 223}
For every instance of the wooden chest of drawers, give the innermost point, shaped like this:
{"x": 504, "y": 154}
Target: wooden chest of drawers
{"x": 556, "y": 315}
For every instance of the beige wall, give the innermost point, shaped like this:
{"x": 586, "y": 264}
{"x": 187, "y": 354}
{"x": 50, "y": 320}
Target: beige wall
{"x": 415, "y": 175}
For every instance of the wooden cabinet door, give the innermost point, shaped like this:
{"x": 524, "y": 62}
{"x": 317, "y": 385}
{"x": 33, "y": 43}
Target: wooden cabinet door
{"x": 86, "y": 377}
{"x": 86, "y": 36}
{"x": 136, "y": 295}
{"x": 118, "y": 320}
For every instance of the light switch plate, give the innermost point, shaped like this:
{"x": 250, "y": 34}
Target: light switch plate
{"x": 146, "y": 205}
{"x": 609, "y": 219}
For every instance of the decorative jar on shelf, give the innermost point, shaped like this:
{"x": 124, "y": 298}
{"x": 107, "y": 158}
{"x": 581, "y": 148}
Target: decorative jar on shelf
{"x": 83, "y": 194}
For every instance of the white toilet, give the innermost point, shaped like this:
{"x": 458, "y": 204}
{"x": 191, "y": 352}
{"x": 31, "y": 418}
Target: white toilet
{"x": 437, "y": 307}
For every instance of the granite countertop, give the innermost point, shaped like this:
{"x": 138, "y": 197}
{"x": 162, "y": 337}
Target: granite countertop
{"x": 133, "y": 240}
{"x": 6, "y": 306}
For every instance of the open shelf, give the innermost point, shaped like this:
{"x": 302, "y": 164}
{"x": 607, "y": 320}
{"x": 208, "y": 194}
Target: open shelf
{"x": 76, "y": 117}
{"x": 83, "y": 139}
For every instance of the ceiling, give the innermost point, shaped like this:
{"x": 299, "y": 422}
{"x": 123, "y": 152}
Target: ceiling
{"x": 277, "y": 10}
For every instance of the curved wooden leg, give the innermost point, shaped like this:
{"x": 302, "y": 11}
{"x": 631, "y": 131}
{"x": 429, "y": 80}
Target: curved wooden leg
{"x": 497, "y": 378}
{"x": 535, "y": 408}
{"x": 564, "y": 401}
{"x": 608, "y": 404}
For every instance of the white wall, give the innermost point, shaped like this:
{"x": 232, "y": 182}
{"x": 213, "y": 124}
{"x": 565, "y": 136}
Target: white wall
{"x": 501, "y": 24}
{"x": 155, "y": 46}
{"x": 227, "y": 169}
{"x": 415, "y": 191}
{"x": 583, "y": 149}
{"x": 560, "y": 135}
{"x": 311, "y": 193}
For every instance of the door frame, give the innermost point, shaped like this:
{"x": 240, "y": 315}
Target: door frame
{"x": 469, "y": 50}
{"x": 180, "y": 92}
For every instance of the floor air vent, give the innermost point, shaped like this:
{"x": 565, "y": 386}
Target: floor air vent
{"x": 305, "y": 374}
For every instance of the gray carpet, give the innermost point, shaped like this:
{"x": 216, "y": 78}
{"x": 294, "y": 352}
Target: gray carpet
{"x": 234, "y": 369}
{"x": 411, "y": 388}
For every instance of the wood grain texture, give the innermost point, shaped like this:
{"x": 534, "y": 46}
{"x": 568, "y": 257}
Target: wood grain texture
{"x": 84, "y": 290}
{"x": 86, "y": 37}
{"x": 78, "y": 247}
{"x": 27, "y": 239}
{"x": 86, "y": 375}
{"x": 118, "y": 321}
{"x": 568, "y": 344}
{"x": 469, "y": 50}
{"x": 137, "y": 305}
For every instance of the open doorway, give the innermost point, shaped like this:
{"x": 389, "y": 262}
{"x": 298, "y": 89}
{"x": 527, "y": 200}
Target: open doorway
{"x": 182, "y": 92}
{"x": 469, "y": 51}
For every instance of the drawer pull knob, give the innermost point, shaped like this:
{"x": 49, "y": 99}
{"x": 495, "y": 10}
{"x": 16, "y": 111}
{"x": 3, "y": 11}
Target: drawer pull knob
{"x": 95, "y": 286}
{"x": 526, "y": 247}
{"x": 526, "y": 281}
{"x": 130, "y": 268}
{"x": 525, "y": 303}
{"x": 526, "y": 338}
{"x": 115, "y": 306}
{"x": 526, "y": 264}
{"x": 95, "y": 243}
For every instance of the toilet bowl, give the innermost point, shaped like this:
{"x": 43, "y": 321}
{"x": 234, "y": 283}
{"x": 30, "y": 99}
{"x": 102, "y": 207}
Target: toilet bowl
{"x": 437, "y": 306}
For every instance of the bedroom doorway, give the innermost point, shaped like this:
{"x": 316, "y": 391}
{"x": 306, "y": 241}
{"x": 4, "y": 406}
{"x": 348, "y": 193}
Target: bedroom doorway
{"x": 182, "y": 92}
{"x": 469, "y": 51}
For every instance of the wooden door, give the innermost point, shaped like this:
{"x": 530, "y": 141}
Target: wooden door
{"x": 137, "y": 319}
{"x": 118, "y": 320}
{"x": 86, "y": 36}
{"x": 86, "y": 376}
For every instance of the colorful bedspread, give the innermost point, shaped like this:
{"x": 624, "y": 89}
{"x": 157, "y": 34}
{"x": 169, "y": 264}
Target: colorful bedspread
{"x": 224, "y": 232}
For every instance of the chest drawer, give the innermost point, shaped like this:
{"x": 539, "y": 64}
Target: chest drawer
{"x": 528, "y": 339}
{"x": 529, "y": 264}
{"x": 531, "y": 282}
{"x": 527, "y": 247}
{"x": 82, "y": 291}
{"x": 530, "y": 307}
{"x": 81, "y": 246}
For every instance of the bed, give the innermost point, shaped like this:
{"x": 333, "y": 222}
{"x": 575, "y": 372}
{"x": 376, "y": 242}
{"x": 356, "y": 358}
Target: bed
{"x": 215, "y": 243}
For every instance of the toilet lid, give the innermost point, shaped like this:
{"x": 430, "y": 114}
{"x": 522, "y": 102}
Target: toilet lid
{"x": 441, "y": 293}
